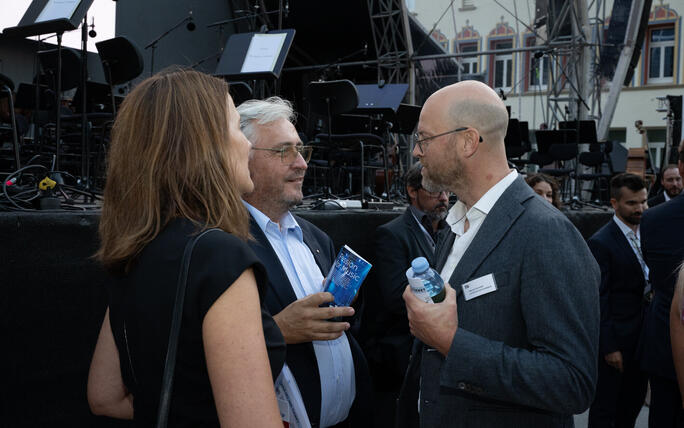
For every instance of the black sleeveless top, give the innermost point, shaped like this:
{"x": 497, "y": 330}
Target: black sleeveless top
{"x": 141, "y": 306}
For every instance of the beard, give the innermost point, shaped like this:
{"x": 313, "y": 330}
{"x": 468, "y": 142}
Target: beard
{"x": 674, "y": 191}
{"x": 293, "y": 195}
{"x": 438, "y": 213}
{"x": 440, "y": 178}
{"x": 292, "y": 201}
{"x": 430, "y": 185}
{"x": 633, "y": 219}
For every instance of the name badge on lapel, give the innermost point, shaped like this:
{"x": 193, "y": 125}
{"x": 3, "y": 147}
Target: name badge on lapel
{"x": 479, "y": 286}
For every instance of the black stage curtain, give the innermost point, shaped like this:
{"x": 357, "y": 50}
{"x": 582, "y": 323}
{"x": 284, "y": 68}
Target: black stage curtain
{"x": 52, "y": 301}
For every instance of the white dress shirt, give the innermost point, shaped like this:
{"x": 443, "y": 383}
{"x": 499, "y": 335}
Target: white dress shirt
{"x": 334, "y": 358}
{"x": 476, "y": 216}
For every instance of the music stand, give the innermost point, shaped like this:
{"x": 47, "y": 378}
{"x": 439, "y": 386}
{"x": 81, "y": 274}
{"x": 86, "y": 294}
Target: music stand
{"x": 547, "y": 137}
{"x": 380, "y": 99}
{"x": 587, "y": 130}
{"x": 249, "y": 56}
{"x": 100, "y": 99}
{"x": 332, "y": 97}
{"x": 52, "y": 16}
{"x": 585, "y": 134}
{"x": 122, "y": 62}
{"x": 512, "y": 140}
{"x": 525, "y": 133}
{"x": 70, "y": 65}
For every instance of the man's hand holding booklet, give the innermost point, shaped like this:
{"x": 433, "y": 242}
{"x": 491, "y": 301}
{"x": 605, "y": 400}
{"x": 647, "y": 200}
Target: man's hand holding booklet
{"x": 345, "y": 276}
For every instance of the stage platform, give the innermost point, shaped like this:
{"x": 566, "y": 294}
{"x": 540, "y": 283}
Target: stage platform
{"x": 52, "y": 300}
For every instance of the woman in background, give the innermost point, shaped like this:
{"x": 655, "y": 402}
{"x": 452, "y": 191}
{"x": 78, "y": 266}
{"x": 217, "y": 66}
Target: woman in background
{"x": 546, "y": 187}
{"x": 178, "y": 166}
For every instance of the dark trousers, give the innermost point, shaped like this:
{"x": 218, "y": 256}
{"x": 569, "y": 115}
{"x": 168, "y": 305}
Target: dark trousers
{"x": 666, "y": 404}
{"x": 386, "y": 386}
{"x": 619, "y": 396}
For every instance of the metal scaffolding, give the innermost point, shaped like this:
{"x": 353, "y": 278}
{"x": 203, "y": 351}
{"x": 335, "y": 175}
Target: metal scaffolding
{"x": 393, "y": 45}
{"x": 572, "y": 42}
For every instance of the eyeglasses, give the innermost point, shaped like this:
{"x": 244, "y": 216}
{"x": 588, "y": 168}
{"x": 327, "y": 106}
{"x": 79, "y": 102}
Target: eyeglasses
{"x": 423, "y": 142}
{"x": 289, "y": 152}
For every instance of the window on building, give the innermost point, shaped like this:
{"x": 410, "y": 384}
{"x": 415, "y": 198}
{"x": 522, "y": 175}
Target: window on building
{"x": 503, "y": 67}
{"x": 466, "y": 5}
{"x": 656, "y": 145}
{"x": 469, "y": 62}
{"x": 661, "y": 54}
{"x": 539, "y": 72}
{"x": 440, "y": 38}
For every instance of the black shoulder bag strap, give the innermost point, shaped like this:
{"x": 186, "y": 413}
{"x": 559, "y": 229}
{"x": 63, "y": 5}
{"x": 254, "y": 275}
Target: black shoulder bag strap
{"x": 170, "y": 364}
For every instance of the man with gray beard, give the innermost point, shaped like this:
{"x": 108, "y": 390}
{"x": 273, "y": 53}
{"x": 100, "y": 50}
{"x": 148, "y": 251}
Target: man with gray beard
{"x": 515, "y": 341}
{"x": 397, "y": 243}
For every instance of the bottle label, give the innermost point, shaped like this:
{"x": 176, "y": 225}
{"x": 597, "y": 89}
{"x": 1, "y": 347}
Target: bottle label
{"x": 419, "y": 290}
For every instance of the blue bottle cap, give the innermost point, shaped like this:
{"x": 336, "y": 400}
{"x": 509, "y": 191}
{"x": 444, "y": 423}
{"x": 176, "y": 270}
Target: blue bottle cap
{"x": 420, "y": 265}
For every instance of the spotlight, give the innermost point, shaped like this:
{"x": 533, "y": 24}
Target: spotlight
{"x": 191, "y": 22}
{"x": 92, "y": 33}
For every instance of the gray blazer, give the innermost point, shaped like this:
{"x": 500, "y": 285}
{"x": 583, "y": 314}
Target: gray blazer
{"x": 526, "y": 354}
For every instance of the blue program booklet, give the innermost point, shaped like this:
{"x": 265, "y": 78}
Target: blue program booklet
{"x": 345, "y": 276}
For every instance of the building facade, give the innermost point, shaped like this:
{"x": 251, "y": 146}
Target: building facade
{"x": 524, "y": 77}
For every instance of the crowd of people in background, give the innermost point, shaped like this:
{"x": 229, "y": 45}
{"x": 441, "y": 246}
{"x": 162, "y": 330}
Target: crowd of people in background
{"x": 524, "y": 337}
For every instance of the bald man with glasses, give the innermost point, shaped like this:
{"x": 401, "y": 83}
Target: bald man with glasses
{"x": 515, "y": 341}
{"x": 325, "y": 372}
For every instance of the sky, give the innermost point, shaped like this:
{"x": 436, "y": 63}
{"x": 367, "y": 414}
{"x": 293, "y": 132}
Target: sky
{"x": 104, "y": 12}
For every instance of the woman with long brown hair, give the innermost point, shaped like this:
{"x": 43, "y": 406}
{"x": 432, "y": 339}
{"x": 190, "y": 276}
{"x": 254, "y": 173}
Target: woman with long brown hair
{"x": 178, "y": 166}
{"x": 545, "y": 186}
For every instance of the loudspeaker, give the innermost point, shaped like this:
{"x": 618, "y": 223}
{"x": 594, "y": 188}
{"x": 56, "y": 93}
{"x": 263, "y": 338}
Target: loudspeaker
{"x": 615, "y": 38}
{"x": 553, "y": 19}
{"x": 643, "y": 24}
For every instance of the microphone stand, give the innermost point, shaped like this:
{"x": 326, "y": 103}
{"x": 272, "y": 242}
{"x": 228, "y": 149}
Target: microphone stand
{"x": 153, "y": 44}
{"x": 85, "y": 137}
{"x": 58, "y": 124}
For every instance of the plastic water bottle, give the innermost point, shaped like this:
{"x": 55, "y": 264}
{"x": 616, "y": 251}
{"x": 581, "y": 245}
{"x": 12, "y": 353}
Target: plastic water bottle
{"x": 425, "y": 282}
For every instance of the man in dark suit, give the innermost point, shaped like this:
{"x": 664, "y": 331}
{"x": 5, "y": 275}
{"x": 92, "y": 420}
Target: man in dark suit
{"x": 621, "y": 386}
{"x": 515, "y": 341}
{"x": 325, "y": 372}
{"x": 671, "y": 182}
{"x": 662, "y": 241}
{"x": 397, "y": 243}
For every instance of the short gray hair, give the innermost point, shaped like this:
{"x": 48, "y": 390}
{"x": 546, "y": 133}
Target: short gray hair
{"x": 263, "y": 112}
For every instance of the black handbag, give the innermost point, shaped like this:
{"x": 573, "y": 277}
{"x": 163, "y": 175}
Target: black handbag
{"x": 170, "y": 363}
